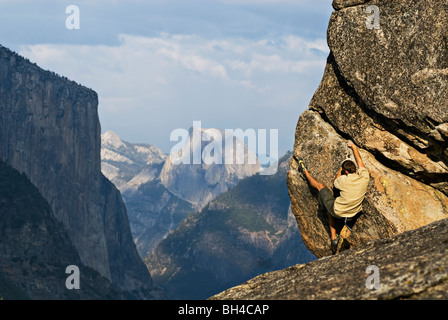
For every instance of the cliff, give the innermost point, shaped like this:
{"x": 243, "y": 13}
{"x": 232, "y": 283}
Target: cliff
{"x": 49, "y": 130}
{"x": 385, "y": 89}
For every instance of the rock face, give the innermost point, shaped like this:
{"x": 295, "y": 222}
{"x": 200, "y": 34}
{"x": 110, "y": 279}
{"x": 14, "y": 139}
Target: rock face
{"x": 412, "y": 265}
{"x": 49, "y": 129}
{"x": 129, "y": 165}
{"x": 200, "y": 183}
{"x": 386, "y": 90}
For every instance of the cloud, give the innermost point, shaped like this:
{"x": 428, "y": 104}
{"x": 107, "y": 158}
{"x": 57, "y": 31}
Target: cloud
{"x": 230, "y": 61}
{"x": 288, "y": 55}
{"x": 149, "y": 86}
{"x": 180, "y": 50}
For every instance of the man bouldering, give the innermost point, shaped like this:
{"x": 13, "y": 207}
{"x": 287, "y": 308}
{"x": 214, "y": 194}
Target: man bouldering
{"x": 352, "y": 186}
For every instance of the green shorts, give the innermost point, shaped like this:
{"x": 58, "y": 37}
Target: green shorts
{"x": 326, "y": 200}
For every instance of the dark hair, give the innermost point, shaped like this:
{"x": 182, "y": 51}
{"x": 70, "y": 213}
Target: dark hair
{"x": 349, "y": 165}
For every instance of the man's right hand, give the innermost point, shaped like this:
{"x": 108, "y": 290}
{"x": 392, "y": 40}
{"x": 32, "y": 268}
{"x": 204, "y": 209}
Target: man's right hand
{"x": 356, "y": 152}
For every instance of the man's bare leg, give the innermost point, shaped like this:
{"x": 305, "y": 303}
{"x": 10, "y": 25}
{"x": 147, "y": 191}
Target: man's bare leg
{"x": 319, "y": 186}
{"x": 313, "y": 182}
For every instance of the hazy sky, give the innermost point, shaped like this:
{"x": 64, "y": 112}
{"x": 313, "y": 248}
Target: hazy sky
{"x": 159, "y": 65}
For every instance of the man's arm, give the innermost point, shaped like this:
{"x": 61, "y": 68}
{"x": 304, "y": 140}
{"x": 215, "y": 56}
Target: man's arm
{"x": 357, "y": 155}
{"x": 338, "y": 175}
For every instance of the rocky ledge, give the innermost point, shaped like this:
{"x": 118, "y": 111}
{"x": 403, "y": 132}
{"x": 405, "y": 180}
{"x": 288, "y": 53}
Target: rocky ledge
{"x": 412, "y": 265}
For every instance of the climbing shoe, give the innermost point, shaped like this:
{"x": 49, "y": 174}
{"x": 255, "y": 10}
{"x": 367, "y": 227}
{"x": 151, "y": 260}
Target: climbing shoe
{"x": 334, "y": 244}
{"x": 301, "y": 164}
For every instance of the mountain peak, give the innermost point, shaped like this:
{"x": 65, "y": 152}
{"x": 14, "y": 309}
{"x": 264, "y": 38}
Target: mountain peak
{"x": 111, "y": 139}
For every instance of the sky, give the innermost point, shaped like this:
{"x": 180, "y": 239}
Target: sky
{"x": 159, "y": 65}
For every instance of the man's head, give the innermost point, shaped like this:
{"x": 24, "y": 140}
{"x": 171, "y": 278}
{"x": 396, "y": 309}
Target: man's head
{"x": 349, "y": 166}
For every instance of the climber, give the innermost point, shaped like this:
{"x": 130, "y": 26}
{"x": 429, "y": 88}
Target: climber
{"x": 352, "y": 185}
